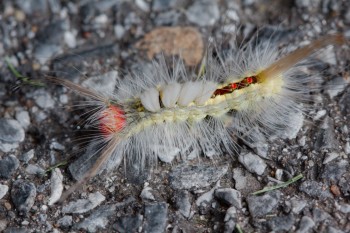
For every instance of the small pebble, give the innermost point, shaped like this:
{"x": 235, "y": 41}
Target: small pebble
{"x": 306, "y": 223}
{"x": 229, "y": 196}
{"x": 3, "y": 190}
{"x": 252, "y": 163}
{"x": 84, "y": 205}
{"x": 27, "y": 156}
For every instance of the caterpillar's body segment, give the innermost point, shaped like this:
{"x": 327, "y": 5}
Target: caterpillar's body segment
{"x": 250, "y": 90}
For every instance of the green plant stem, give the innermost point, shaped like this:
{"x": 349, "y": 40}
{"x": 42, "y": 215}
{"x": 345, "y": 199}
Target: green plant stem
{"x": 285, "y": 184}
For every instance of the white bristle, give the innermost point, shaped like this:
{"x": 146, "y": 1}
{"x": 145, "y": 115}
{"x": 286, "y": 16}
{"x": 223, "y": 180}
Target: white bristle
{"x": 170, "y": 94}
{"x": 150, "y": 100}
{"x": 207, "y": 91}
{"x": 189, "y": 92}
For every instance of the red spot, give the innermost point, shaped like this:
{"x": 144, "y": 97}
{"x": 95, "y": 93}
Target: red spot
{"x": 250, "y": 80}
{"x": 112, "y": 120}
{"x": 234, "y": 86}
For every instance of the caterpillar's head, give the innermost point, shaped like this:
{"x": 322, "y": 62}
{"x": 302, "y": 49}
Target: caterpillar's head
{"x": 112, "y": 120}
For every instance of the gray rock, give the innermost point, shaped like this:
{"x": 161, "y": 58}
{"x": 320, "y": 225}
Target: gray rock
{"x": 335, "y": 86}
{"x": 281, "y": 223}
{"x": 229, "y": 196}
{"x": 200, "y": 176}
{"x": 230, "y": 219}
{"x": 182, "y": 202}
{"x": 306, "y": 224}
{"x": 165, "y": 154}
{"x": 315, "y": 189}
{"x": 32, "y": 169}
{"x": 103, "y": 84}
{"x": 23, "y": 195}
{"x": 43, "y": 53}
{"x": 70, "y": 39}
{"x": 3, "y": 190}
{"x": 334, "y": 171}
{"x": 333, "y": 230}
{"x": 162, "y": 5}
{"x": 33, "y": 7}
{"x": 128, "y": 224}
{"x": 296, "y": 205}
{"x": 259, "y": 206}
{"x": 325, "y": 137}
{"x": 56, "y": 186}
{"x": 26, "y": 157}
{"x": 208, "y": 148}
{"x": 320, "y": 114}
{"x": 252, "y": 163}
{"x": 119, "y": 31}
{"x": 16, "y": 230}
{"x": 146, "y": 194}
{"x": 344, "y": 184}
{"x": 203, "y": 13}
{"x": 85, "y": 162}
{"x": 65, "y": 221}
{"x": 3, "y": 225}
{"x": 7, "y": 147}
{"x": 23, "y": 118}
{"x": 168, "y": 18}
{"x": 43, "y": 99}
{"x": 330, "y": 157}
{"x": 11, "y": 131}
{"x": 344, "y": 102}
{"x": 8, "y": 166}
{"x": 242, "y": 178}
{"x": 319, "y": 215}
{"x": 98, "y": 219}
{"x": 84, "y": 205}
{"x": 155, "y": 217}
{"x": 57, "y": 146}
{"x": 206, "y": 197}
{"x": 296, "y": 122}
{"x": 2, "y": 85}
{"x": 344, "y": 208}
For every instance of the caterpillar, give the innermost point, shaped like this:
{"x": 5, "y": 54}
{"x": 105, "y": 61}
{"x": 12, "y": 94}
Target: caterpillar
{"x": 246, "y": 93}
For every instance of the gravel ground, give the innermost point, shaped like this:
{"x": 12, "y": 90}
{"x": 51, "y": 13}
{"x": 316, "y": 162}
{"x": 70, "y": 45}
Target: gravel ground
{"x": 85, "y": 41}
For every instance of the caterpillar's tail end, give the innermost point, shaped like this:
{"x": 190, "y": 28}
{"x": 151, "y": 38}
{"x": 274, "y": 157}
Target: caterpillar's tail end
{"x": 288, "y": 61}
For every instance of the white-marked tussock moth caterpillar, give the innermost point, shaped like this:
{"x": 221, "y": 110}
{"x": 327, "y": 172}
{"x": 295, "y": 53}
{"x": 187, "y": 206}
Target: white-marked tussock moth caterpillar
{"x": 249, "y": 90}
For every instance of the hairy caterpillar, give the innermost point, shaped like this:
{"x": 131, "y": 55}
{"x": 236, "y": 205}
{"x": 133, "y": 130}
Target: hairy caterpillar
{"x": 247, "y": 92}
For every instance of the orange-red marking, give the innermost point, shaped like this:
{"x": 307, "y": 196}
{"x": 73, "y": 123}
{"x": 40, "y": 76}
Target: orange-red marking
{"x": 112, "y": 120}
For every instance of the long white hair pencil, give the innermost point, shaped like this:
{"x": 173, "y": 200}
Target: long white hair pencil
{"x": 250, "y": 90}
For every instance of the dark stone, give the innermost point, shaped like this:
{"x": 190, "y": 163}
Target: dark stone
{"x": 16, "y": 230}
{"x": 11, "y": 131}
{"x": 200, "y": 176}
{"x": 182, "y": 202}
{"x": 8, "y": 166}
{"x": 325, "y": 137}
{"x": 281, "y": 223}
{"x": 315, "y": 189}
{"x": 128, "y": 224}
{"x": 229, "y": 196}
{"x": 155, "y": 217}
{"x": 333, "y": 171}
{"x": 319, "y": 215}
{"x": 344, "y": 184}
{"x": 97, "y": 220}
{"x": 23, "y": 195}
{"x": 259, "y": 206}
